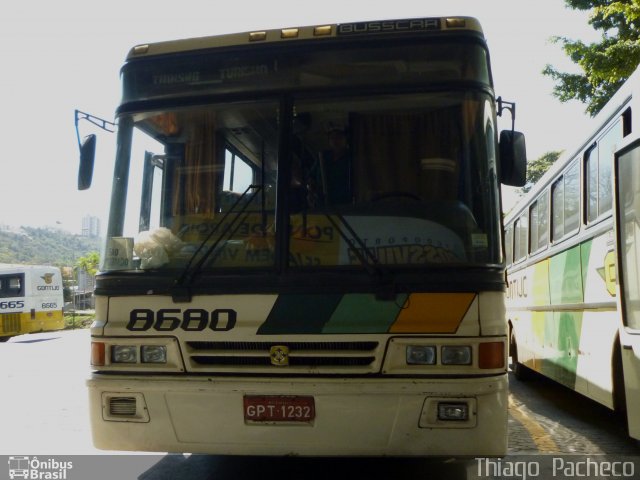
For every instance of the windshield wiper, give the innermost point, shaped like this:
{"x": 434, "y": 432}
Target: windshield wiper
{"x": 366, "y": 258}
{"x": 370, "y": 262}
{"x": 181, "y": 289}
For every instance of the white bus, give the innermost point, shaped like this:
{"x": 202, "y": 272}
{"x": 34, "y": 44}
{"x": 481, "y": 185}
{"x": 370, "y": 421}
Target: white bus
{"x": 573, "y": 262}
{"x": 31, "y": 299}
{"x": 304, "y": 249}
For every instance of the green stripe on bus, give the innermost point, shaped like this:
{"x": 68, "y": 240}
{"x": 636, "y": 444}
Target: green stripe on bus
{"x": 565, "y": 277}
{"x": 585, "y": 252}
{"x": 562, "y": 341}
{"x": 298, "y": 314}
{"x": 363, "y": 313}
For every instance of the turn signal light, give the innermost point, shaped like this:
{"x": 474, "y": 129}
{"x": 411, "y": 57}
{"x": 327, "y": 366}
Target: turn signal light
{"x": 97, "y": 354}
{"x": 491, "y": 355}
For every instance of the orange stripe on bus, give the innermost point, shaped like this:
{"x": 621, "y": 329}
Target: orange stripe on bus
{"x": 432, "y": 313}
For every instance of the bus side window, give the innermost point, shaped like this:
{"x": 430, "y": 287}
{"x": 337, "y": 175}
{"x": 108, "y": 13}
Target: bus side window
{"x": 508, "y": 244}
{"x": 11, "y": 286}
{"x": 565, "y": 204}
{"x": 557, "y": 210}
{"x": 521, "y": 238}
{"x": 539, "y": 223}
{"x": 572, "y": 199}
{"x": 238, "y": 174}
{"x": 598, "y": 161}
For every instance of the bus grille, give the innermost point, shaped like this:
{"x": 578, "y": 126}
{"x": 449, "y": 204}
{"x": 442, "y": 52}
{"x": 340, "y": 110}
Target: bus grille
{"x": 10, "y": 322}
{"x": 304, "y": 357}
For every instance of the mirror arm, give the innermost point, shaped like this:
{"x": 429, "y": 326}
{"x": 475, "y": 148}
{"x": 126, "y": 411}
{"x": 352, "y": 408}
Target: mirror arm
{"x": 97, "y": 121}
{"x": 511, "y": 106}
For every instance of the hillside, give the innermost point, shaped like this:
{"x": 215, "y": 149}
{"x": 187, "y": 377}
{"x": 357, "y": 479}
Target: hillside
{"x": 48, "y": 246}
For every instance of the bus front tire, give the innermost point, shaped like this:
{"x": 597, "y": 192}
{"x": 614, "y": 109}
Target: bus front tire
{"x": 521, "y": 372}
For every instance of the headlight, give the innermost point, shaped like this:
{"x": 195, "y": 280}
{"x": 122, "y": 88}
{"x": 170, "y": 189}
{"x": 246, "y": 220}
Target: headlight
{"x": 124, "y": 354}
{"x": 456, "y": 355}
{"x": 154, "y": 354}
{"x": 421, "y": 355}
{"x": 136, "y": 354}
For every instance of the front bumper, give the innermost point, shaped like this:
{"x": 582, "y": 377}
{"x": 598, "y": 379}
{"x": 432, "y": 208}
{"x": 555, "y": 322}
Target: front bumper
{"x": 354, "y": 416}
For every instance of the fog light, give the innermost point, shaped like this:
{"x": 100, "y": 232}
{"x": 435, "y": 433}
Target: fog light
{"x": 154, "y": 354}
{"x": 421, "y": 355}
{"x": 124, "y": 354}
{"x": 455, "y": 412}
{"x": 456, "y": 355}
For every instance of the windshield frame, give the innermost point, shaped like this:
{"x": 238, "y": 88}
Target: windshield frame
{"x": 282, "y": 218}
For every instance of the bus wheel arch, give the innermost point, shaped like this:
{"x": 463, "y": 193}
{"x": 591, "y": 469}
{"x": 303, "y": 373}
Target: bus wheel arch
{"x": 520, "y": 371}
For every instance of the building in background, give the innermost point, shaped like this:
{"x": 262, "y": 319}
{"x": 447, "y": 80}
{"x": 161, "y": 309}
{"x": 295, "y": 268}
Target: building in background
{"x": 90, "y": 226}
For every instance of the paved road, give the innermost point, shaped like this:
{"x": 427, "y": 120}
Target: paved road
{"x": 43, "y": 411}
{"x": 43, "y": 407}
{"x": 545, "y": 417}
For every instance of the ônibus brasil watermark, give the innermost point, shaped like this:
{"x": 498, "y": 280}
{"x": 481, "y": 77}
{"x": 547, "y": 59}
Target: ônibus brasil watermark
{"x": 34, "y": 468}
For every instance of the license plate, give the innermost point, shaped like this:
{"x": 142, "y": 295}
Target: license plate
{"x": 269, "y": 408}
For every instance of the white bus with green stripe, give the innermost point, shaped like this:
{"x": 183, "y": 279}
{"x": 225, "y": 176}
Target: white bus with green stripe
{"x": 31, "y": 299}
{"x": 304, "y": 250}
{"x": 572, "y": 256}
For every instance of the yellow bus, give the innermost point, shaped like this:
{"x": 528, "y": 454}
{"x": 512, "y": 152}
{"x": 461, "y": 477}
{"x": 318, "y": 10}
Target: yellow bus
{"x": 573, "y": 261}
{"x": 304, "y": 251}
{"x": 31, "y": 299}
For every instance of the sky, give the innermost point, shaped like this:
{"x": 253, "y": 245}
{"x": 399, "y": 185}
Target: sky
{"x": 65, "y": 55}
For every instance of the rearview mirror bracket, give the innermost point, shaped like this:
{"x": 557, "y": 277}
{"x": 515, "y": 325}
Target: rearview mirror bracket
{"x": 88, "y": 147}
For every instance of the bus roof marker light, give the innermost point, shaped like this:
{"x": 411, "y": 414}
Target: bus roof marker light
{"x": 322, "y": 31}
{"x": 289, "y": 33}
{"x": 257, "y": 36}
{"x": 456, "y": 23}
{"x": 140, "y": 49}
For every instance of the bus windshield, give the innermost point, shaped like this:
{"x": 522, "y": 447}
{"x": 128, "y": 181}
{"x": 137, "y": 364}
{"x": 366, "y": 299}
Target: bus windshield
{"x": 400, "y": 180}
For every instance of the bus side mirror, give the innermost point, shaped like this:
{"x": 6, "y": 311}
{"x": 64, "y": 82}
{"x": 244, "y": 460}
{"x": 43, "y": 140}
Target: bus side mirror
{"x": 513, "y": 158}
{"x": 87, "y": 159}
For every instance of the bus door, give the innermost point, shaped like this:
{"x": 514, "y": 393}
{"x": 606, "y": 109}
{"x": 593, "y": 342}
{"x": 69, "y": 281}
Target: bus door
{"x": 627, "y": 185}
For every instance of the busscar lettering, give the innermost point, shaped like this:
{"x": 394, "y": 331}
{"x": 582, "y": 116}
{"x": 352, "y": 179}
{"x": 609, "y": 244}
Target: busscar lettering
{"x": 388, "y": 26}
{"x": 190, "y": 320}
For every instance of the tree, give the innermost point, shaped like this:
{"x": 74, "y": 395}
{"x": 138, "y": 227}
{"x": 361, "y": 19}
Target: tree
{"x": 537, "y": 168}
{"x": 89, "y": 263}
{"x": 605, "y": 64}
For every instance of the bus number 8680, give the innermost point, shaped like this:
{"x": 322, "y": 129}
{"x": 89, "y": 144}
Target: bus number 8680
{"x": 190, "y": 320}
